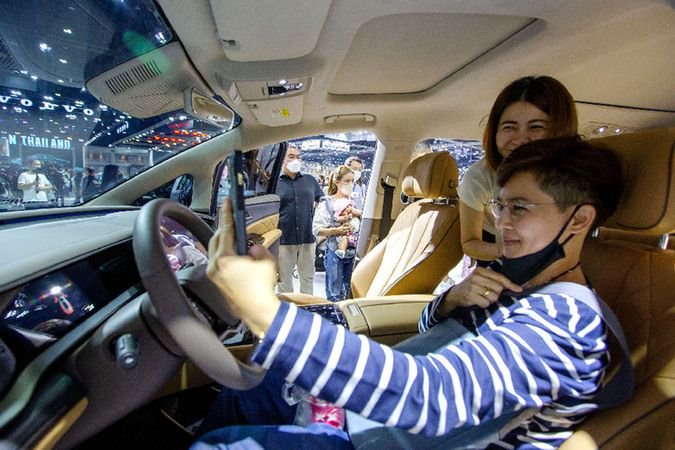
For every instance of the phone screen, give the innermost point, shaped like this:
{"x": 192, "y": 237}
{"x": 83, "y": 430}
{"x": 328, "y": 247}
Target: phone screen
{"x": 235, "y": 168}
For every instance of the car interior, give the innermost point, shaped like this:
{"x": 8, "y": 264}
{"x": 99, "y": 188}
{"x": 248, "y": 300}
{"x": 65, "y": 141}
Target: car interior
{"x": 424, "y": 238}
{"x": 104, "y": 343}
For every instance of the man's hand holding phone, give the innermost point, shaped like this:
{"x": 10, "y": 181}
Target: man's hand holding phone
{"x": 247, "y": 282}
{"x": 236, "y": 194}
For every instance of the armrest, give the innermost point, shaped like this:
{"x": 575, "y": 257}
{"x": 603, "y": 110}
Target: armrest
{"x": 301, "y": 299}
{"x": 396, "y": 315}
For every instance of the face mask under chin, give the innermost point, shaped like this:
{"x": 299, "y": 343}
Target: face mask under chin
{"x": 520, "y": 270}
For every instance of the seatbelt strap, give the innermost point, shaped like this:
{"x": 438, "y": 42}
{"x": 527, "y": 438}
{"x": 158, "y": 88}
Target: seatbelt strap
{"x": 619, "y": 388}
{"x": 385, "y": 224}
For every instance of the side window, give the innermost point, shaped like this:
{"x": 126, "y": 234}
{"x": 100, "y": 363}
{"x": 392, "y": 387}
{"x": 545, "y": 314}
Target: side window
{"x": 322, "y": 154}
{"x": 179, "y": 189}
{"x": 266, "y": 167}
{"x": 261, "y": 172}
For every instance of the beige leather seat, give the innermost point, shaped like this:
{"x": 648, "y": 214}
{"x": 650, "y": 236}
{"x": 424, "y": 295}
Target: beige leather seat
{"x": 637, "y": 279}
{"x": 423, "y": 243}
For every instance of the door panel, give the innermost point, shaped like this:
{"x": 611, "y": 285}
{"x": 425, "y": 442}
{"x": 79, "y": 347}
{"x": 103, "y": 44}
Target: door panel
{"x": 261, "y": 171}
{"x": 262, "y": 221}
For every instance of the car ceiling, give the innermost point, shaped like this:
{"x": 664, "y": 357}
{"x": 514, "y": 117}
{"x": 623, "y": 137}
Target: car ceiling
{"x": 416, "y": 69}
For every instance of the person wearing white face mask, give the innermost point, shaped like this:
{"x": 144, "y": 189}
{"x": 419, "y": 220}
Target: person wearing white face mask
{"x": 335, "y": 220}
{"x": 359, "y": 192}
{"x": 298, "y": 194}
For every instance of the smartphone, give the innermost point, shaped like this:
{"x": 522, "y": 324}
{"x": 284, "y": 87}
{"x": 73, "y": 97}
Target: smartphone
{"x": 235, "y": 168}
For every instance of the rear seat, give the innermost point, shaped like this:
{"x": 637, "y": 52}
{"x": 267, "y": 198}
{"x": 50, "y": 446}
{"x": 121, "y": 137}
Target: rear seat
{"x": 632, "y": 266}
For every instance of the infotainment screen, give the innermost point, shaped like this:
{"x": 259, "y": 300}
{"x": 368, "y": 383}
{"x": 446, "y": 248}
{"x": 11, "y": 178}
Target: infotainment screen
{"x": 49, "y": 306}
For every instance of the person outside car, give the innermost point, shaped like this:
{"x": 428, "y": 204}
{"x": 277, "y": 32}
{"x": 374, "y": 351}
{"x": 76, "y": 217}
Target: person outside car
{"x": 337, "y": 222}
{"x": 298, "y": 194}
{"x": 35, "y": 185}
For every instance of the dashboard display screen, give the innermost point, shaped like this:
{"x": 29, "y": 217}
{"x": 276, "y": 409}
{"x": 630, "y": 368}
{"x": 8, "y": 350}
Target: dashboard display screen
{"x": 181, "y": 247}
{"x": 46, "y": 308}
{"x": 50, "y": 305}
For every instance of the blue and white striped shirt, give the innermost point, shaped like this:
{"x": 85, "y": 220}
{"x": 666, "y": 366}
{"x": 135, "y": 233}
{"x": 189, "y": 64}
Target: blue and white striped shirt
{"x": 546, "y": 353}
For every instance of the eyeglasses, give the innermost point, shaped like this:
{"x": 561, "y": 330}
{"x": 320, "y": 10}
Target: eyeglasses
{"x": 516, "y": 209}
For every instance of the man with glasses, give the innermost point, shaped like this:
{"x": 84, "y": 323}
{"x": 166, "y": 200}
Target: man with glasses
{"x": 299, "y": 195}
{"x": 517, "y": 351}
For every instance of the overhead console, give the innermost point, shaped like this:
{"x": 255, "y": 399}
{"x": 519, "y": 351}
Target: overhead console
{"x": 287, "y": 38}
{"x": 148, "y": 85}
{"x": 273, "y": 102}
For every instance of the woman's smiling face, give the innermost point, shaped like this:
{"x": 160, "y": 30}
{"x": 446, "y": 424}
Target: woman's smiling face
{"x": 521, "y": 122}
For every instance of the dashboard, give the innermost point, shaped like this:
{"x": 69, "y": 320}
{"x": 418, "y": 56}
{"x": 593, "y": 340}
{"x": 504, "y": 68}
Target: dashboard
{"x": 44, "y": 309}
{"x": 51, "y": 304}
{"x": 69, "y": 289}
{"x": 70, "y": 293}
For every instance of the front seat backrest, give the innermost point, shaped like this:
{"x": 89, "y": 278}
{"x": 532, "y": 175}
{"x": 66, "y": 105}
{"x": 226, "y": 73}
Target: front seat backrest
{"x": 637, "y": 280}
{"x": 423, "y": 243}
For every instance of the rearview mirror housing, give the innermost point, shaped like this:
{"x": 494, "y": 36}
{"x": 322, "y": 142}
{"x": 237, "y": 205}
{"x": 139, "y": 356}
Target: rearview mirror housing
{"x": 208, "y": 109}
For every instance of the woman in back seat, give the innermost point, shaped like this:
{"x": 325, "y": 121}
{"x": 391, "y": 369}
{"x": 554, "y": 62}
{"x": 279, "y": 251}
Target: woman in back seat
{"x": 528, "y": 109}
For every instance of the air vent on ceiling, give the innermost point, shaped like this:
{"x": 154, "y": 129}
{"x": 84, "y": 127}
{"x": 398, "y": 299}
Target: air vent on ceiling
{"x": 150, "y": 84}
{"x": 133, "y": 77}
{"x": 7, "y": 60}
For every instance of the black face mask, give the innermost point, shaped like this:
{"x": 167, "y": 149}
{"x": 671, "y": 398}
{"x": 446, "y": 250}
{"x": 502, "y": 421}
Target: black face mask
{"x": 524, "y": 268}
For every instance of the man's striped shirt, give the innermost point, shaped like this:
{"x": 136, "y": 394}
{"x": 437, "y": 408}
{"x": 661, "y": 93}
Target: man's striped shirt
{"x": 546, "y": 353}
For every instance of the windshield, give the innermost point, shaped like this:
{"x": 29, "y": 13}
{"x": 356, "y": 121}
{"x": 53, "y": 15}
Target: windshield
{"x": 59, "y": 145}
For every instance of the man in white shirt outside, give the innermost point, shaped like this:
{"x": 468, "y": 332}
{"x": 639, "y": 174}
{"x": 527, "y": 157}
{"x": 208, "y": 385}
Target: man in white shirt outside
{"x": 34, "y": 184}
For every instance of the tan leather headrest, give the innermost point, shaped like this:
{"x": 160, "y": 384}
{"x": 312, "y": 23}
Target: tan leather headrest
{"x": 432, "y": 175}
{"x": 648, "y": 202}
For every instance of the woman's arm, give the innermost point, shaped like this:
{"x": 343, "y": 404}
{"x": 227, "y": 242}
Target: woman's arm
{"x": 342, "y": 230}
{"x": 471, "y": 232}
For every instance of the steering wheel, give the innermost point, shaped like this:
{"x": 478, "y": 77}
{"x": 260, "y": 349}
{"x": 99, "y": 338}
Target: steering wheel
{"x": 187, "y": 327}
